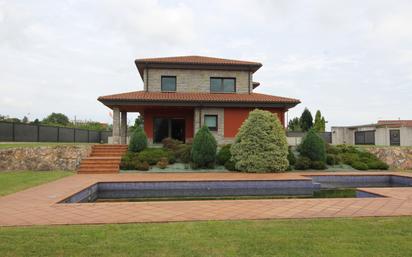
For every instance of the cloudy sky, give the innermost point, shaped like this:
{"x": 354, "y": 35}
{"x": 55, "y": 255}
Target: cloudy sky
{"x": 350, "y": 59}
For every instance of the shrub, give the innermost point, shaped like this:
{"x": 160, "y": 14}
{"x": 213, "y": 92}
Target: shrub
{"x": 171, "y": 144}
{"x": 317, "y": 165}
{"x": 359, "y": 165}
{"x": 303, "y": 163}
{"x": 347, "y": 149}
{"x": 130, "y": 161}
{"x": 349, "y": 158}
{"x": 138, "y": 141}
{"x": 331, "y": 149}
{"x": 260, "y": 145}
{"x": 153, "y": 155}
{"x": 291, "y": 157}
{"x": 204, "y": 149}
{"x": 331, "y": 159}
{"x": 313, "y": 147}
{"x": 182, "y": 153}
{"x": 224, "y": 154}
{"x": 377, "y": 165}
{"x": 230, "y": 165}
{"x": 162, "y": 163}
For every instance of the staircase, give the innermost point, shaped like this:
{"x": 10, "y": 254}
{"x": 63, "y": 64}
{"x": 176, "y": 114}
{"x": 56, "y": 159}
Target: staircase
{"x": 103, "y": 159}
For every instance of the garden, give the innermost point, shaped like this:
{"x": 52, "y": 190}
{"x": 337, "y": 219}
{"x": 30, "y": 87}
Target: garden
{"x": 259, "y": 146}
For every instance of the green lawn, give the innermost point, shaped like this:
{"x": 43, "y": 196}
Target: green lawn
{"x": 36, "y": 144}
{"x": 361, "y": 237}
{"x": 13, "y": 181}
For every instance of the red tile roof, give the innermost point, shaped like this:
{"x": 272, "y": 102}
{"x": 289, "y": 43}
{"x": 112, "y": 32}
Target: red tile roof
{"x": 399, "y": 123}
{"x": 198, "y": 97}
{"x": 196, "y": 59}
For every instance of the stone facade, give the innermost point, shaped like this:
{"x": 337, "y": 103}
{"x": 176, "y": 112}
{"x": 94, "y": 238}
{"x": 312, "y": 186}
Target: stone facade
{"x": 196, "y": 80}
{"x": 220, "y": 112}
{"x": 43, "y": 158}
{"x": 395, "y": 157}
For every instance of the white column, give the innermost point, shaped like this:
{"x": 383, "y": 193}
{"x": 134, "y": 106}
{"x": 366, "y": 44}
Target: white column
{"x": 116, "y": 126}
{"x": 123, "y": 128}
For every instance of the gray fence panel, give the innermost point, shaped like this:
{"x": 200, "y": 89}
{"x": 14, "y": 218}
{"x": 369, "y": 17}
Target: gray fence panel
{"x": 81, "y": 136}
{"x": 6, "y": 131}
{"x": 94, "y": 136}
{"x": 66, "y": 135}
{"x": 48, "y": 134}
{"x": 105, "y": 136}
{"x": 25, "y": 133}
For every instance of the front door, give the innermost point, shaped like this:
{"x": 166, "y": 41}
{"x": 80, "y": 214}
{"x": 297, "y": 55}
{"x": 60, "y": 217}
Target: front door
{"x": 395, "y": 137}
{"x": 168, "y": 127}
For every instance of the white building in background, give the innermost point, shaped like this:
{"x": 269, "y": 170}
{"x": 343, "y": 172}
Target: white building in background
{"x": 384, "y": 132}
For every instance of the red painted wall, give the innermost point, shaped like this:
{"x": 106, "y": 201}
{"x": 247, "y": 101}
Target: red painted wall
{"x": 150, "y": 114}
{"x": 234, "y": 118}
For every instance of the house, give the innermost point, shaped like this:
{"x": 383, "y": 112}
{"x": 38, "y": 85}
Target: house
{"x": 384, "y": 132}
{"x": 183, "y": 93}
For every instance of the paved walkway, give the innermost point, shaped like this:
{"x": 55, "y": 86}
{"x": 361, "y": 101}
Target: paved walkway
{"x": 38, "y": 205}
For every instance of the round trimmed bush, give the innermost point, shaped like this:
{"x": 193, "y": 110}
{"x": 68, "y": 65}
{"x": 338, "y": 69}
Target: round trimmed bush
{"x": 313, "y": 147}
{"x": 359, "y": 165}
{"x": 303, "y": 163}
{"x": 204, "y": 149}
{"x": 230, "y": 165}
{"x": 260, "y": 145}
{"x": 138, "y": 140}
{"x": 224, "y": 154}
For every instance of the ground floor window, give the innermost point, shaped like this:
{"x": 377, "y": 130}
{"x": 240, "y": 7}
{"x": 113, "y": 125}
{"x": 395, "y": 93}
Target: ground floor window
{"x": 211, "y": 122}
{"x": 168, "y": 127}
{"x": 365, "y": 137}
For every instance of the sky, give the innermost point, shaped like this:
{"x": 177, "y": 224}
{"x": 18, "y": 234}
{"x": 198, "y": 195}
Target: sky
{"x": 350, "y": 59}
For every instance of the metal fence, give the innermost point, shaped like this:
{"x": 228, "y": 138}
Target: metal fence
{"x": 327, "y": 136}
{"x": 20, "y": 132}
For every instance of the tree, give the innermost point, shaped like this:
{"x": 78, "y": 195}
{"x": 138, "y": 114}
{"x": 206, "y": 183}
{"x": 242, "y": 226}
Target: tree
{"x": 306, "y": 120}
{"x": 204, "y": 149}
{"x": 138, "y": 122}
{"x": 36, "y": 122}
{"x": 56, "y": 119}
{"x": 260, "y": 145}
{"x": 25, "y": 119}
{"x": 294, "y": 125}
{"x": 319, "y": 124}
{"x": 138, "y": 141}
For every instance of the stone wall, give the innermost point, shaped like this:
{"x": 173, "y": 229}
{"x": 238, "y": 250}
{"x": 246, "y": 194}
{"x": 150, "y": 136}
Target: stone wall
{"x": 197, "y": 80}
{"x": 45, "y": 158}
{"x": 395, "y": 157}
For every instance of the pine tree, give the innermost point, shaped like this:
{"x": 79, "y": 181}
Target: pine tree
{"x": 319, "y": 124}
{"x": 294, "y": 125}
{"x": 306, "y": 120}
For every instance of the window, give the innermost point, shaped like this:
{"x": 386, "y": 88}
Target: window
{"x": 168, "y": 83}
{"x": 211, "y": 122}
{"x": 226, "y": 85}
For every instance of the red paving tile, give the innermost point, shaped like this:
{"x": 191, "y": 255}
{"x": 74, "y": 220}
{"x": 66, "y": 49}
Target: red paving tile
{"x": 39, "y": 205}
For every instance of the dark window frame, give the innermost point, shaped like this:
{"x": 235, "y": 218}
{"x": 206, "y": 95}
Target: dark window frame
{"x": 221, "y": 85}
{"x": 217, "y": 121}
{"x": 161, "y": 83}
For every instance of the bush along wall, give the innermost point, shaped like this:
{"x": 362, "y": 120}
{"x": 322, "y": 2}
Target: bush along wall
{"x": 203, "y": 152}
{"x": 260, "y": 145}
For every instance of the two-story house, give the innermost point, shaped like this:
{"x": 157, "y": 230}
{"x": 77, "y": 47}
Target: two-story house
{"x": 181, "y": 94}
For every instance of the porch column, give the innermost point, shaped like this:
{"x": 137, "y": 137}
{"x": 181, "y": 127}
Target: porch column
{"x": 123, "y": 128}
{"x": 116, "y": 126}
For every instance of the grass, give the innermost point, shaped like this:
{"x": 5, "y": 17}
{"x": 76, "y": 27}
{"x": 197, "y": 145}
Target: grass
{"x": 363, "y": 237}
{"x": 13, "y": 181}
{"x": 36, "y": 144}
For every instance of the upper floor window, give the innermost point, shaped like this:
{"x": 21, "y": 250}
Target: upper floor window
{"x": 226, "y": 85}
{"x": 168, "y": 83}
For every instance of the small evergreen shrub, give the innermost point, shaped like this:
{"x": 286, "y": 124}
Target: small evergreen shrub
{"x": 291, "y": 157}
{"x": 182, "y": 153}
{"x": 377, "y": 165}
{"x": 359, "y": 165}
{"x": 349, "y": 158}
{"x": 331, "y": 159}
{"x": 303, "y": 163}
{"x": 204, "y": 149}
{"x": 138, "y": 140}
{"x": 313, "y": 147}
{"x": 230, "y": 165}
{"x": 162, "y": 163}
{"x": 153, "y": 155}
{"x": 224, "y": 154}
{"x": 317, "y": 165}
{"x": 331, "y": 149}
{"x": 130, "y": 161}
{"x": 260, "y": 145}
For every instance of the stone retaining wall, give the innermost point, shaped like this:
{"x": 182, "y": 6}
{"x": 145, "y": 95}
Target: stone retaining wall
{"x": 395, "y": 157}
{"x": 65, "y": 157}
